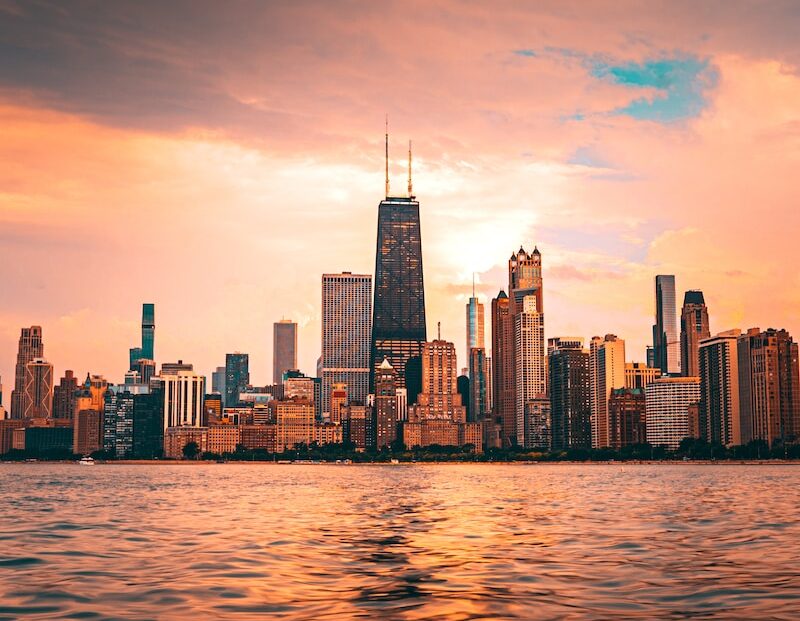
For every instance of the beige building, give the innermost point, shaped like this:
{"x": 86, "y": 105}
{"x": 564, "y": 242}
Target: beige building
{"x": 606, "y": 372}
{"x": 667, "y": 403}
{"x": 294, "y": 420}
{"x": 223, "y": 438}
{"x": 184, "y": 393}
{"x": 529, "y": 362}
{"x": 175, "y": 438}
{"x": 638, "y": 375}
{"x": 37, "y": 400}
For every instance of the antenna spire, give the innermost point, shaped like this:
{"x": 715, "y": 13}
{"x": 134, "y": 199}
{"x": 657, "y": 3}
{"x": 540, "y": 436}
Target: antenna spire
{"x": 439, "y": 330}
{"x": 473, "y": 284}
{"x": 410, "y": 191}
{"x": 387, "y": 156}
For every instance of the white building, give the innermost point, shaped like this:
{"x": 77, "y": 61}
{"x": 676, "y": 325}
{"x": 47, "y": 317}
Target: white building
{"x": 183, "y": 399}
{"x": 529, "y": 361}
{"x": 667, "y": 402}
{"x": 346, "y": 335}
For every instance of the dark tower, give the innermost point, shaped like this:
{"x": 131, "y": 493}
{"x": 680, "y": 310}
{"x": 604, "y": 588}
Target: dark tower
{"x": 398, "y": 311}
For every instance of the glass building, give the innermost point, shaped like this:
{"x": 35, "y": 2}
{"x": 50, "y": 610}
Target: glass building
{"x": 398, "y": 319}
{"x": 237, "y": 377}
{"x": 666, "y": 341}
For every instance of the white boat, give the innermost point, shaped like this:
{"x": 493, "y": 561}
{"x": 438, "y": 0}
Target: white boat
{"x": 86, "y": 461}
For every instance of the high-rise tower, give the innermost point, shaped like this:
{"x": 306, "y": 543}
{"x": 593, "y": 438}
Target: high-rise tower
{"x": 398, "y": 313}
{"x": 666, "y": 343}
{"x": 694, "y": 328}
{"x": 475, "y": 325}
{"x": 503, "y": 367}
{"x": 31, "y": 346}
{"x": 284, "y": 349}
{"x": 346, "y": 335}
{"x": 146, "y": 350}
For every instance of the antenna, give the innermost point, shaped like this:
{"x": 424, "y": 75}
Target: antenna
{"x": 410, "y": 191}
{"x": 439, "y": 330}
{"x": 387, "y": 156}
{"x": 473, "y": 284}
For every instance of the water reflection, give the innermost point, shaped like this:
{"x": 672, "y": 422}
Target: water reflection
{"x": 416, "y": 542}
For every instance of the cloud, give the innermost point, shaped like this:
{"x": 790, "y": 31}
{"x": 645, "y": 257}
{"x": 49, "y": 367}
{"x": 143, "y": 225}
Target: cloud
{"x": 680, "y": 86}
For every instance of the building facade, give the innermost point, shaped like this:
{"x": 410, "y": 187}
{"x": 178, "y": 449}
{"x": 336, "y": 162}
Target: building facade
{"x": 606, "y": 372}
{"x": 666, "y": 341}
{"x": 719, "y": 414}
{"x": 284, "y": 349}
{"x": 694, "y": 328}
{"x": 30, "y": 347}
{"x": 346, "y": 335}
{"x": 530, "y": 381}
{"x": 38, "y": 390}
{"x": 627, "y": 417}
{"x": 667, "y": 402}
{"x": 183, "y": 395}
{"x": 398, "y": 312}
{"x": 237, "y": 377}
{"x": 503, "y": 404}
{"x": 570, "y": 405}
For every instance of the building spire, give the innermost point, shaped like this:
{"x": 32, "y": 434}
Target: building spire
{"x": 410, "y": 191}
{"x": 473, "y": 284}
{"x": 387, "y": 155}
{"x": 439, "y": 330}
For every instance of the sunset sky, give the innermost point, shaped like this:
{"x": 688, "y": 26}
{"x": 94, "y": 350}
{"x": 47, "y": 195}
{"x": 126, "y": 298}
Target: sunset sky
{"x": 217, "y": 158}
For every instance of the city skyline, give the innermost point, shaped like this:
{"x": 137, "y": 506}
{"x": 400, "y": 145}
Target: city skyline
{"x": 580, "y": 123}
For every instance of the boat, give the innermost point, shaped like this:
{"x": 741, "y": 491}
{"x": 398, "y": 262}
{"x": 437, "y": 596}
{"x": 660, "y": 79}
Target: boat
{"x": 394, "y": 462}
{"x": 86, "y": 461}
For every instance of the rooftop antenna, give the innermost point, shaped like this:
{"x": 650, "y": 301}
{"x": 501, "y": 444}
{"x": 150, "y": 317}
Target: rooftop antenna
{"x": 473, "y": 284}
{"x": 410, "y": 191}
{"x": 387, "y": 156}
{"x": 439, "y": 330}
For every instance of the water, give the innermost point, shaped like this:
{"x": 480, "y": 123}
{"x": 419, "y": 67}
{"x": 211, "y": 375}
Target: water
{"x": 399, "y": 542}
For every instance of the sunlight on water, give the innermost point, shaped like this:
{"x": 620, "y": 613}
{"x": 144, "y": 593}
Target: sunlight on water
{"x": 402, "y": 542}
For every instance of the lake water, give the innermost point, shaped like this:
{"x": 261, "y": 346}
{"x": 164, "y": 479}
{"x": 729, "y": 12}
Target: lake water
{"x": 399, "y": 542}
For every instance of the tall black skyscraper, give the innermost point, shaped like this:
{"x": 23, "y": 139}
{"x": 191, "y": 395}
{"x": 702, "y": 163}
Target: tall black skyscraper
{"x": 398, "y": 319}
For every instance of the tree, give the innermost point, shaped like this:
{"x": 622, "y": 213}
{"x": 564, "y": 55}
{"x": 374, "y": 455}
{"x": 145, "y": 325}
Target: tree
{"x": 191, "y": 450}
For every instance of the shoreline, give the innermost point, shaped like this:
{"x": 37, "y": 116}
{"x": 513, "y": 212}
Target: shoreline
{"x": 186, "y": 462}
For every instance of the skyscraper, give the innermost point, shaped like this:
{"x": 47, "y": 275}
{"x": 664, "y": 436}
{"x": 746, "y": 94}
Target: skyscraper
{"x": 38, "y": 395}
{"x": 769, "y": 386}
{"x": 237, "y": 377}
{"x": 626, "y": 414}
{"x": 30, "y": 346}
{"x": 284, "y": 349}
{"x": 570, "y": 410}
{"x": 526, "y": 297}
{"x": 346, "y": 335}
{"x": 398, "y": 313}
{"x": 475, "y": 323}
{"x": 503, "y": 367}
{"x": 385, "y": 408}
{"x": 694, "y": 328}
{"x": 64, "y": 397}
{"x": 719, "y": 414}
{"x": 666, "y": 343}
{"x": 529, "y": 363}
{"x": 146, "y": 350}
{"x": 606, "y": 372}
{"x": 218, "y": 380}
{"x": 478, "y": 403}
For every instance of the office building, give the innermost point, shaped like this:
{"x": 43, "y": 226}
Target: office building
{"x": 237, "y": 377}
{"x": 384, "y": 411}
{"x": 536, "y": 423}
{"x": 667, "y": 403}
{"x": 284, "y": 348}
{"x": 606, "y": 372}
{"x": 218, "y": 380}
{"x": 398, "y": 312}
{"x": 570, "y": 409}
{"x": 183, "y": 394}
{"x": 768, "y": 385}
{"x": 666, "y": 342}
{"x": 627, "y": 417}
{"x": 503, "y": 405}
{"x": 694, "y": 328}
{"x": 475, "y": 324}
{"x": 346, "y": 335}
{"x": 719, "y": 414}
{"x": 64, "y": 396}
{"x": 30, "y": 347}
{"x": 478, "y": 402}
{"x": 529, "y": 361}
{"x": 638, "y": 375}
{"x": 38, "y": 389}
